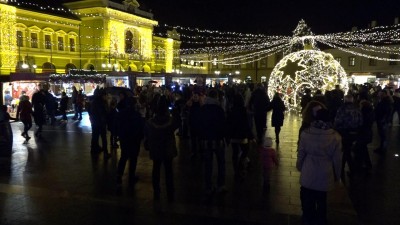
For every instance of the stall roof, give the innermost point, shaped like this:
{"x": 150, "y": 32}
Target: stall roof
{"x": 29, "y": 77}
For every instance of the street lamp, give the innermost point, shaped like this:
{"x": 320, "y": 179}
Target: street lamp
{"x": 237, "y": 72}
{"x": 217, "y": 72}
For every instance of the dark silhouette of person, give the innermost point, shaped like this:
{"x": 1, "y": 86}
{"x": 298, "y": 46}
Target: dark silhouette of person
{"x": 130, "y": 132}
{"x": 212, "y": 134}
{"x": 160, "y": 139}
{"x": 98, "y": 119}
{"x": 259, "y": 103}
{"x": 39, "y": 102}
{"x": 239, "y": 135}
{"x": 278, "y": 109}
{"x": 64, "y": 105}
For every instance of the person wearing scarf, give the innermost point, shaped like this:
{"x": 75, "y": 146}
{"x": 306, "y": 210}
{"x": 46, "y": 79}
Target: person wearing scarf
{"x": 319, "y": 160}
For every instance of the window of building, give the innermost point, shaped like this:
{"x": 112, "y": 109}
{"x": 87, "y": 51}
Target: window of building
{"x": 60, "y": 43}
{"x": 20, "y": 39}
{"x": 263, "y": 63}
{"x": 393, "y": 63}
{"x": 339, "y": 60}
{"x": 47, "y": 41}
{"x": 72, "y": 44}
{"x": 372, "y": 62}
{"x": 352, "y": 61}
{"x": 34, "y": 40}
{"x": 128, "y": 42}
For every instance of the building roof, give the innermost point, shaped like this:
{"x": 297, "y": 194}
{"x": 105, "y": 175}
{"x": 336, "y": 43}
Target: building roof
{"x": 56, "y": 8}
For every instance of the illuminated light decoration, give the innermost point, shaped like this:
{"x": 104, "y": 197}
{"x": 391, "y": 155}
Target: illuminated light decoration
{"x": 193, "y": 67}
{"x": 8, "y": 41}
{"x": 312, "y": 69}
{"x": 77, "y": 78}
{"x": 169, "y": 55}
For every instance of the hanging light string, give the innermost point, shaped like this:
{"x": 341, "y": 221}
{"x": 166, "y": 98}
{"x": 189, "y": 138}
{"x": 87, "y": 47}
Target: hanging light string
{"x": 368, "y": 48}
{"x": 248, "y": 55}
{"x": 358, "y": 53}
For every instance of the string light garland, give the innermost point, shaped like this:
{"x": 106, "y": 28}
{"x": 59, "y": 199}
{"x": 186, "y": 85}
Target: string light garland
{"x": 77, "y": 78}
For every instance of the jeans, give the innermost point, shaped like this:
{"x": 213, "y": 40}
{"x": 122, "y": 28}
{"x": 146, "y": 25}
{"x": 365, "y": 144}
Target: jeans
{"x": 260, "y": 120}
{"x": 237, "y": 149}
{"x": 129, "y": 150}
{"x": 169, "y": 180}
{"x": 313, "y": 204}
{"x": 208, "y": 166}
{"x": 97, "y": 131}
{"x": 27, "y": 125}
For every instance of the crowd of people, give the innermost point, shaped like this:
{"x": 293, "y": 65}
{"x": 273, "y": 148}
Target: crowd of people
{"x": 336, "y": 129}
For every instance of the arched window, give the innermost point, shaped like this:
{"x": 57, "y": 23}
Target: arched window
{"x": 69, "y": 67}
{"x": 90, "y": 67}
{"x": 128, "y": 42}
{"x": 48, "y": 66}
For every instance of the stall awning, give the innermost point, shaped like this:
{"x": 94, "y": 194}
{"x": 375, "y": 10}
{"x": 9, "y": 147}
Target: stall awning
{"x": 28, "y": 77}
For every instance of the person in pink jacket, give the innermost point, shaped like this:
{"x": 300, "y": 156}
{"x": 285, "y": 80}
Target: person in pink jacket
{"x": 319, "y": 160}
{"x": 269, "y": 159}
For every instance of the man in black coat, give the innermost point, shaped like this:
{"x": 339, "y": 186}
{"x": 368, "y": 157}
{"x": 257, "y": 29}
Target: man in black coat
{"x": 259, "y": 103}
{"x": 130, "y": 132}
{"x": 212, "y": 134}
{"x": 383, "y": 116}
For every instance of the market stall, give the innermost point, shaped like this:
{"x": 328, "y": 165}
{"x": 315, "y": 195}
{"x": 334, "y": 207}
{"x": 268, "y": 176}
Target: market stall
{"x": 21, "y": 84}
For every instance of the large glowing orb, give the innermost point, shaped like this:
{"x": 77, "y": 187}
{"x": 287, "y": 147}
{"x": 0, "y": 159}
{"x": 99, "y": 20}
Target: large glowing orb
{"x": 310, "y": 69}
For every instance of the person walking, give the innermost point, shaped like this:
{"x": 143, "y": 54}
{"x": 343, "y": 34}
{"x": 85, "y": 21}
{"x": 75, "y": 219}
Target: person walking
{"x": 73, "y": 101}
{"x": 39, "y": 102}
{"x": 24, "y": 113}
{"x": 383, "y": 117}
{"x": 269, "y": 159}
{"x": 365, "y": 135}
{"x": 64, "y": 106}
{"x": 259, "y": 104}
{"x": 212, "y": 134}
{"x": 98, "y": 119}
{"x": 348, "y": 121}
{"x": 130, "y": 132}
{"x": 319, "y": 162}
{"x": 79, "y": 102}
{"x": 239, "y": 135}
{"x": 160, "y": 142}
{"x": 194, "y": 106}
{"x": 278, "y": 109}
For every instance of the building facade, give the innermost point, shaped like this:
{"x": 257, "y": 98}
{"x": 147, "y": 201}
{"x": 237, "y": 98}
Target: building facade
{"x": 97, "y": 35}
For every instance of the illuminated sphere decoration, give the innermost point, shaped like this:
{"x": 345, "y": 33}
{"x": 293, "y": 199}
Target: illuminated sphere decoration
{"x": 312, "y": 69}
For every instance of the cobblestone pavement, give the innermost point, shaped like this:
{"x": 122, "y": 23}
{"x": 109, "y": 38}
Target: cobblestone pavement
{"x": 55, "y": 180}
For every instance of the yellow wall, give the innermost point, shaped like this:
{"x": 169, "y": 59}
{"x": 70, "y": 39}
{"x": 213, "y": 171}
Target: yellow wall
{"x": 99, "y": 37}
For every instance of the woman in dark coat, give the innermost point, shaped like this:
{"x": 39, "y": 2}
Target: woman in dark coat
{"x": 160, "y": 141}
{"x": 278, "y": 109}
{"x": 239, "y": 135}
{"x": 38, "y": 102}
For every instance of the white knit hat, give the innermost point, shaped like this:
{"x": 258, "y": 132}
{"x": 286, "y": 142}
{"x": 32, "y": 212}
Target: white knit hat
{"x": 267, "y": 142}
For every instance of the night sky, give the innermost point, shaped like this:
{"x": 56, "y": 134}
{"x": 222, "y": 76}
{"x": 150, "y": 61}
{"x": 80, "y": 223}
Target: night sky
{"x": 274, "y": 17}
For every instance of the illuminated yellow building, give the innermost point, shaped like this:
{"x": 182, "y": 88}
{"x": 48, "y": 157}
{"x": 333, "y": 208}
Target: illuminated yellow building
{"x": 97, "y": 35}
